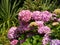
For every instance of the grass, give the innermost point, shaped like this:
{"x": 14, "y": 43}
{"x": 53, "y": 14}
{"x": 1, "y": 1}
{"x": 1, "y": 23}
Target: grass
{"x": 8, "y": 17}
{"x": 41, "y": 5}
{"x": 3, "y": 38}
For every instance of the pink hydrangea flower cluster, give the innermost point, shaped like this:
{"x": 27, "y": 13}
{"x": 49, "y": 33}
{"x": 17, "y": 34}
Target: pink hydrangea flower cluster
{"x": 12, "y": 33}
{"x": 55, "y": 42}
{"x": 41, "y": 16}
{"x": 36, "y": 15}
{"x": 44, "y": 29}
{"x": 45, "y": 16}
{"x": 45, "y": 40}
{"x": 25, "y": 17}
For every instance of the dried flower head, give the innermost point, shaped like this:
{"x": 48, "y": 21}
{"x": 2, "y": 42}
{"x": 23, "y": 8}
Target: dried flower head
{"x": 56, "y": 11}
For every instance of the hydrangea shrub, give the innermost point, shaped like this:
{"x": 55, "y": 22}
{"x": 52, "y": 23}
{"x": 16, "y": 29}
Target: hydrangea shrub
{"x": 31, "y": 24}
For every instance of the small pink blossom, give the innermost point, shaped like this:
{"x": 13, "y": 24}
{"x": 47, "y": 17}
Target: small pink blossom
{"x": 59, "y": 20}
{"x": 40, "y": 23}
{"x": 14, "y": 42}
{"x": 45, "y": 40}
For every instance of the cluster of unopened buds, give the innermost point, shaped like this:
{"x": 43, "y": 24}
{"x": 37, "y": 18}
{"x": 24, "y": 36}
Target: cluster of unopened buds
{"x": 28, "y": 20}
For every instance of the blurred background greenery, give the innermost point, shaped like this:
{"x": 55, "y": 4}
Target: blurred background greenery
{"x": 9, "y": 14}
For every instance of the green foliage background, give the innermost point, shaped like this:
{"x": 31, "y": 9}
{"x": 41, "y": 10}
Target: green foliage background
{"x": 9, "y": 15}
